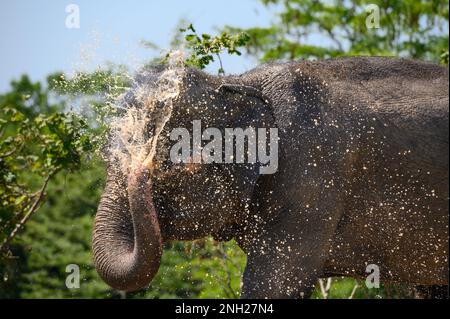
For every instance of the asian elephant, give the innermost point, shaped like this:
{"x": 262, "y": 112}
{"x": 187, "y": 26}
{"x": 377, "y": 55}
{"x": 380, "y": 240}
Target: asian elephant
{"x": 362, "y": 178}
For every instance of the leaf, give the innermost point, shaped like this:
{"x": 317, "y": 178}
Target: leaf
{"x": 191, "y": 27}
{"x": 190, "y": 37}
{"x": 17, "y": 117}
{"x": 19, "y": 200}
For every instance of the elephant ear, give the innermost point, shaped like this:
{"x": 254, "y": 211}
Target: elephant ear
{"x": 248, "y": 107}
{"x": 244, "y": 90}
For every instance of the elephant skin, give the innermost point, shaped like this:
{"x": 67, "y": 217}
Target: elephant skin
{"x": 362, "y": 178}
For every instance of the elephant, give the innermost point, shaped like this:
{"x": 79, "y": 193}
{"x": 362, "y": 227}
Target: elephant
{"x": 362, "y": 178}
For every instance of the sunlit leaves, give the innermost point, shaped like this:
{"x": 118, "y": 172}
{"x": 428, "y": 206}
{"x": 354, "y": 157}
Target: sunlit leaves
{"x": 205, "y": 48}
{"x": 314, "y": 29}
{"x": 100, "y": 82}
{"x": 444, "y": 57}
{"x": 34, "y": 146}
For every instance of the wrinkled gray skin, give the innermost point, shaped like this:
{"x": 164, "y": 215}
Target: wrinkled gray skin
{"x": 362, "y": 179}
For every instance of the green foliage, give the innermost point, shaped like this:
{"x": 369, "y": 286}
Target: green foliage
{"x": 59, "y": 235}
{"x": 199, "y": 269}
{"x": 97, "y": 91}
{"x": 34, "y": 147}
{"x": 444, "y": 57}
{"x": 204, "y": 48}
{"x": 315, "y": 29}
{"x": 108, "y": 83}
{"x": 37, "y": 141}
{"x": 350, "y": 288}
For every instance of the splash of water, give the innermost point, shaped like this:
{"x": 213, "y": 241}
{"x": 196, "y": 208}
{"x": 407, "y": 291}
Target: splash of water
{"x": 134, "y": 134}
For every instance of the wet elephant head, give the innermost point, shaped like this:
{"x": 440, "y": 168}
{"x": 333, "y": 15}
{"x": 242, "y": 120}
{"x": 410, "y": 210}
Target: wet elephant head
{"x": 177, "y": 199}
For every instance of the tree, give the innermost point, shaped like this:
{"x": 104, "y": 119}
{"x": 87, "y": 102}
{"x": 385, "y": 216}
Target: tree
{"x": 204, "y": 48}
{"x": 323, "y": 29}
{"x": 37, "y": 142}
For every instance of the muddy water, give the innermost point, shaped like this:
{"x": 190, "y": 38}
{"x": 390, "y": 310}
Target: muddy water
{"x": 134, "y": 133}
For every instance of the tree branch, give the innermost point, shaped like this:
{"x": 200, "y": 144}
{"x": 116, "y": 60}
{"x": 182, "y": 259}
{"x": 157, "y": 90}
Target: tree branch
{"x": 335, "y": 40}
{"x": 11, "y": 152}
{"x": 224, "y": 259}
{"x": 222, "y": 70}
{"x": 325, "y": 289}
{"x": 28, "y": 215}
{"x": 353, "y": 291}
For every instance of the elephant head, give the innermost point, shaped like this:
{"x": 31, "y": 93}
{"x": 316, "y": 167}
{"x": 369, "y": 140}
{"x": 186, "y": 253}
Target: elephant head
{"x": 155, "y": 202}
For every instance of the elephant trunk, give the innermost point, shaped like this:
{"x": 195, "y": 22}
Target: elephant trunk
{"x": 127, "y": 243}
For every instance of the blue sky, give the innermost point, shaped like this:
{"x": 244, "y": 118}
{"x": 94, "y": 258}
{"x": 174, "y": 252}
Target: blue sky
{"x": 36, "y": 41}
